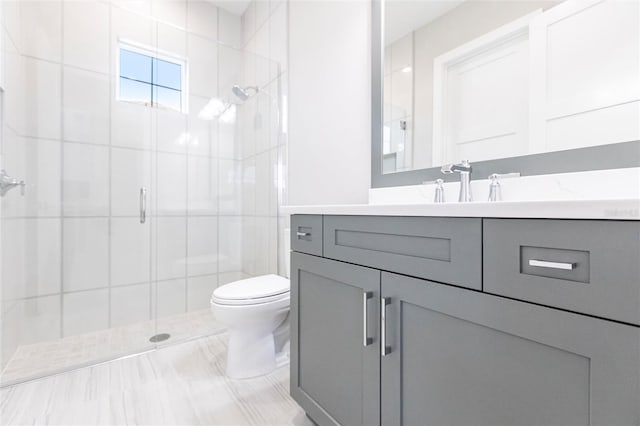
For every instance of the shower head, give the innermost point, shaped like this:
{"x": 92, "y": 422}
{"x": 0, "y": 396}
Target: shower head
{"x": 243, "y": 93}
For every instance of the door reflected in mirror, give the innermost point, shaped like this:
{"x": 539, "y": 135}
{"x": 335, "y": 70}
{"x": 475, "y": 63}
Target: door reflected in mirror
{"x": 483, "y": 80}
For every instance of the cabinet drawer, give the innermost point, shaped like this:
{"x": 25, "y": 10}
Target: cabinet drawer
{"x": 306, "y": 234}
{"x": 447, "y": 250}
{"x": 585, "y": 266}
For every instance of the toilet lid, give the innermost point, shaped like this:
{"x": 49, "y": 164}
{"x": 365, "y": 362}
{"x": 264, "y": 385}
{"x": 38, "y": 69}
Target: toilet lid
{"x": 262, "y": 287}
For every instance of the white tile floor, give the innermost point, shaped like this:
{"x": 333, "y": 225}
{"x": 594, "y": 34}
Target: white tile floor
{"x": 51, "y": 356}
{"x": 176, "y": 385}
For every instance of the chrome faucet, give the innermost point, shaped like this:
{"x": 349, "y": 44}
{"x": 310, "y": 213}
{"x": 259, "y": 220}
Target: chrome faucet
{"x": 7, "y": 183}
{"x": 464, "y": 168}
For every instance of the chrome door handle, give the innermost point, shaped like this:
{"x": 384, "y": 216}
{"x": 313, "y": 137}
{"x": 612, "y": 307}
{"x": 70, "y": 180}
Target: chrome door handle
{"x": 303, "y": 234}
{"x": 384, "y": 349}
{"x": 366, "y": 340}
{"x": 552, "y": 265}
{"x": 143, "y": 205}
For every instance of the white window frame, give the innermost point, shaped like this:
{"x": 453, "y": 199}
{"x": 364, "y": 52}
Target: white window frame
{"x": 163, "y": 56}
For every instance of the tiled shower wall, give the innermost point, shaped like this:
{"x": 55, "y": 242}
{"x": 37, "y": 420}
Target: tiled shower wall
{"x": 263, "y": 134}
{"x": 74, "y": 256}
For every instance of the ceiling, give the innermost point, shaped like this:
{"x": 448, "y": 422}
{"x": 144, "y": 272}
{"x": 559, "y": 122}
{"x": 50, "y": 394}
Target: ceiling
{"x": 405, "y": 16}
{"x": 237, "y": 7}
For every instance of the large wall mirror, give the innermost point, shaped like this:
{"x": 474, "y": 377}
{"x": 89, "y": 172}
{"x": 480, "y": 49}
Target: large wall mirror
{"x": 491, "y": 80}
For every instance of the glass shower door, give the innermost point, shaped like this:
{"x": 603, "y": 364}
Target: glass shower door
{"x": 76, "y": 273}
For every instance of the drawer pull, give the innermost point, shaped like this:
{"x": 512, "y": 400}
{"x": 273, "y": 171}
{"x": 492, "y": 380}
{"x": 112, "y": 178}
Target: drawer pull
{"x": 552, "y": 265}
{"x": 303, "y": 234}
{"x": 366, "y": 340}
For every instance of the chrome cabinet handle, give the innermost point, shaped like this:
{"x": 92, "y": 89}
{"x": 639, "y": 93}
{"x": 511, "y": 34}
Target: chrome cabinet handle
{"x": 384, "y": 349}
{"x": 143, "y": 205}
{"x": 366, "y": 340}
{"x": 552, "y": 265}
{"x": 303, "y": 234}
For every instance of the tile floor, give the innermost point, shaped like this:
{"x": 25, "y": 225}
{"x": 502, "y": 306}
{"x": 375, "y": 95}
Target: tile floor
{"x": 46, "y": 357}
{"x": 182, "y": 384}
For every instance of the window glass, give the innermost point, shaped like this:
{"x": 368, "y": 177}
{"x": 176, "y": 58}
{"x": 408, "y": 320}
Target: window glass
{"x": 167, "y": 74}
{"x": 145, "y": 79}
{"x": 135, "y": 91}
{"x": 135, "y": 66}
{"x": 168, "y": 98}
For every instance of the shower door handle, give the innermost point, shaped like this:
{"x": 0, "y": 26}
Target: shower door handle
{"x": 143, "y": 205}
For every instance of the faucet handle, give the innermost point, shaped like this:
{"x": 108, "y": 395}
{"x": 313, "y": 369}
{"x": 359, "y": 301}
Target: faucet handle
{"x": 495, "y": 192}
{"x": 438, "y": 196}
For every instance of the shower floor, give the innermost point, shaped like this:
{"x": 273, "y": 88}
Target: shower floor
{"x": 52, "y": 356}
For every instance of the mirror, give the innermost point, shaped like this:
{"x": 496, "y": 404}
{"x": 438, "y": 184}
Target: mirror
{"x": 486, "y": 80}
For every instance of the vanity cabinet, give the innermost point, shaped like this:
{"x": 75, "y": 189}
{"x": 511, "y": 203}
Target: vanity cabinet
{"x": 383, "y": 346}
{"x": 335, "y": 361}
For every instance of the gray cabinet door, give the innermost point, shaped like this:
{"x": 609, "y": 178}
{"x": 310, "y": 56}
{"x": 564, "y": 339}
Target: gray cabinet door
{"x": 460, "y": 357}
{"x": 335, "y": 373}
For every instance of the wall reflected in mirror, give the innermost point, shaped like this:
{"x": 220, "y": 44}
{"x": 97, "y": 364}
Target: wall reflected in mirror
{"x": 482, "y": 80}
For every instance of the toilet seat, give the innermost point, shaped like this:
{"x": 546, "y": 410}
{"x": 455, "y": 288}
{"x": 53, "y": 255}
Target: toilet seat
{"x": 252, "y": 291}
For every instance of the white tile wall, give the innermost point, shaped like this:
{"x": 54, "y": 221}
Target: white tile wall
{"x": 130, "y": 125}
{"x": 130, "y": 304}
{"x": 199, "y": 290}
{"x": 172, "y": 133}
{"x": 202, "y": 245}
{"x": 200, "y": 131}
{"x": 171, "y": 11}
{"x": 86, "y": 35}
{"x": 171, "y": 184}
{"x": 230, "y": 243}
{"x": 42, "y": 106}
{"x": 30, "y": 258}
{"x": 203, "y": 185}
{"x": 230, "y": 187}
{"x": 37, "y": 161}
{"x": 130, "y": 251}
{"x": 202, "y": 18}
{"x": 40, "y": 30}
{"x": 171, "y": 246}
{"x": 229, "y": 28}
{"x": 203, "y": 66}
{"x": 85, "y": 311}
{"x": 170, "y": 297}
{"x": 85, "y": 180}
{"x": 86, "y": 121}
{"x": 85, "y": 253}
{"x": 130, "y": 171}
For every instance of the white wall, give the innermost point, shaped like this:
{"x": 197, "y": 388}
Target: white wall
{"x": 330, "y": 102}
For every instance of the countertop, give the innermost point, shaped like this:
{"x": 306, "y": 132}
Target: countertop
{"x": 618, "y": 209}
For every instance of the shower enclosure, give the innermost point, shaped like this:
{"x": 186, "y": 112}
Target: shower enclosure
{"x": 137, "y": 180}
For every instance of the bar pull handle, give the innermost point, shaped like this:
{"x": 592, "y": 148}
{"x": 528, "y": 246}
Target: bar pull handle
{"x": 384, "y": 349}
{"x": 366, "y": 340}
{"x": 303, "y": 234}
{"x": 552, "y": 265}
{"x": 143, "y": 205}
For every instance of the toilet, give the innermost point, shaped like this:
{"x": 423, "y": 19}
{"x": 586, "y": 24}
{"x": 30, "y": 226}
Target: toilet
{"x": 256, "y": 314}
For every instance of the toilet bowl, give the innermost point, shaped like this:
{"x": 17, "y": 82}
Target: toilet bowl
{"x": 256, "y": 314}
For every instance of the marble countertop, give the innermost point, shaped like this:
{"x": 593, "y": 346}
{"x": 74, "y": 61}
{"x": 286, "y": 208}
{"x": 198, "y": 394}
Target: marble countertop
{"x": 618, "y": 209}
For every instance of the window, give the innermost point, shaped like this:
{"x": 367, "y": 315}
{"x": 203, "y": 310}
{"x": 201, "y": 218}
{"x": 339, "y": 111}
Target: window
{"x": 147, "y": 78}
